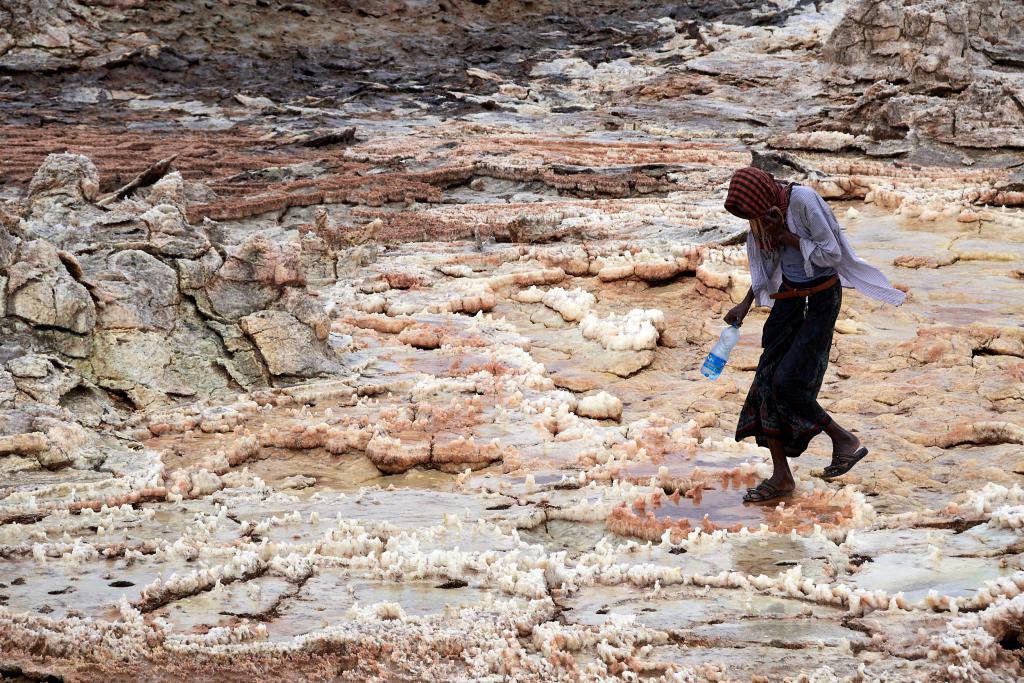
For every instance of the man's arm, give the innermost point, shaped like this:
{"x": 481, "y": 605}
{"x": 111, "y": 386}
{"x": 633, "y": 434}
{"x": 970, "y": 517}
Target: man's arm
{"x": 822, "y": 249}
{"x": 737, "y": 313}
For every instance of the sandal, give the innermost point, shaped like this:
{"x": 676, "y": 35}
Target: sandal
{"x": 843, "y": 463}
{"x": 764, "y": 492}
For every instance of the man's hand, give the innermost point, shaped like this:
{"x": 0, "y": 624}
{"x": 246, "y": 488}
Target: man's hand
{"x": 788, "y": 238}
{"x": 736, "y": 314}
{"x": 777, "y": 231}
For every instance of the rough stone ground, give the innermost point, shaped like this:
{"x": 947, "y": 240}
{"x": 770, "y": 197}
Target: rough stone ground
{"x": 394, "y": 374}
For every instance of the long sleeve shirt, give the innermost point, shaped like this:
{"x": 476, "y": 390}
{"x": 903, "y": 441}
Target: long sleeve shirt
{"x": 823, "y": 243}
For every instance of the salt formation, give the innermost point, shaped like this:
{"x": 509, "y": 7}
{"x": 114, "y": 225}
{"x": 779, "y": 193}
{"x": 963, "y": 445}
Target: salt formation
{"x": 414, "y": 396}
{"x": 634, "y": 331}
{"x": 600, "y": 406}
{"x": 572, "y": 305}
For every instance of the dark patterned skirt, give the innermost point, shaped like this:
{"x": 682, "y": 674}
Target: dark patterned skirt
{"x": 783, "y": 400}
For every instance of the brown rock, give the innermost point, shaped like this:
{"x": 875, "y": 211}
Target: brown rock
{"x": 288, "y": 347}
{"x": 23, "y": 444}
{"x": 471, "y": 305}
{"x": 399, "y": 280}
{"x": 912, "y": 261}
{"x": 454, "y": 453}
{"x": 253, "y": 275}
{"x": 948, "y": 346}
{"x": 657, "y": 271}
{"x": 171, "y": 234}
{"x": 379, "y": 322}
{"x": 977, "y": 433}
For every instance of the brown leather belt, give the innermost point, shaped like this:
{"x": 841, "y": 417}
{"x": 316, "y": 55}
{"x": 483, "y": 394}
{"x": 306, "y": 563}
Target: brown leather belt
{"x": 790, "y": 293}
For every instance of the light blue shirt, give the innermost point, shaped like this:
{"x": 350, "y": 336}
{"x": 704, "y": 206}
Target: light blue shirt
{"x": 793, "y": 266}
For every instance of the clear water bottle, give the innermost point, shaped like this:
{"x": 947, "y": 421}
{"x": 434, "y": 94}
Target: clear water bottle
{"x": 720, "y": 353}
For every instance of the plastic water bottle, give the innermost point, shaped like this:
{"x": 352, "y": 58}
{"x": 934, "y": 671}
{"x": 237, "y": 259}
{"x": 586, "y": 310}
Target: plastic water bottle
{"x": 720, "y": 353}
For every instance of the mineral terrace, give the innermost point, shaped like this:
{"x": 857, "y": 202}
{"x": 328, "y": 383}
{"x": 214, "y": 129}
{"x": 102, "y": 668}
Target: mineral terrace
{"x": 359, "y": 340}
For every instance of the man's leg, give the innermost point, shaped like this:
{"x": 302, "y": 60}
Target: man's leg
{"x": 846, "y": 451}
{"x": 782, "y": 476}
{"x": 844, "y": 442}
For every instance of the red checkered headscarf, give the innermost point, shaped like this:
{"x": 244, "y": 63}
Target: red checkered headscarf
{"x": 752, "y": 194}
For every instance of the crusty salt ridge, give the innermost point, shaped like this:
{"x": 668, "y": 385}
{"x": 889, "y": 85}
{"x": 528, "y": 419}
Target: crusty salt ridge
{"x": 393, "y": 374}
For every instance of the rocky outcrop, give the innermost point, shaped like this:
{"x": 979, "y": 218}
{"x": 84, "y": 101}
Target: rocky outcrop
{"x": 51, "y": 35}
{"x": 135, "y": 291}
{"x": 65, "y": 178}
{"x": 948, "y": 72}
{"x": 140, "y": 302}
{"x": 929, "y": 44}
{"x": 170, "y": 233}
{"x": 154, "y": 366}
